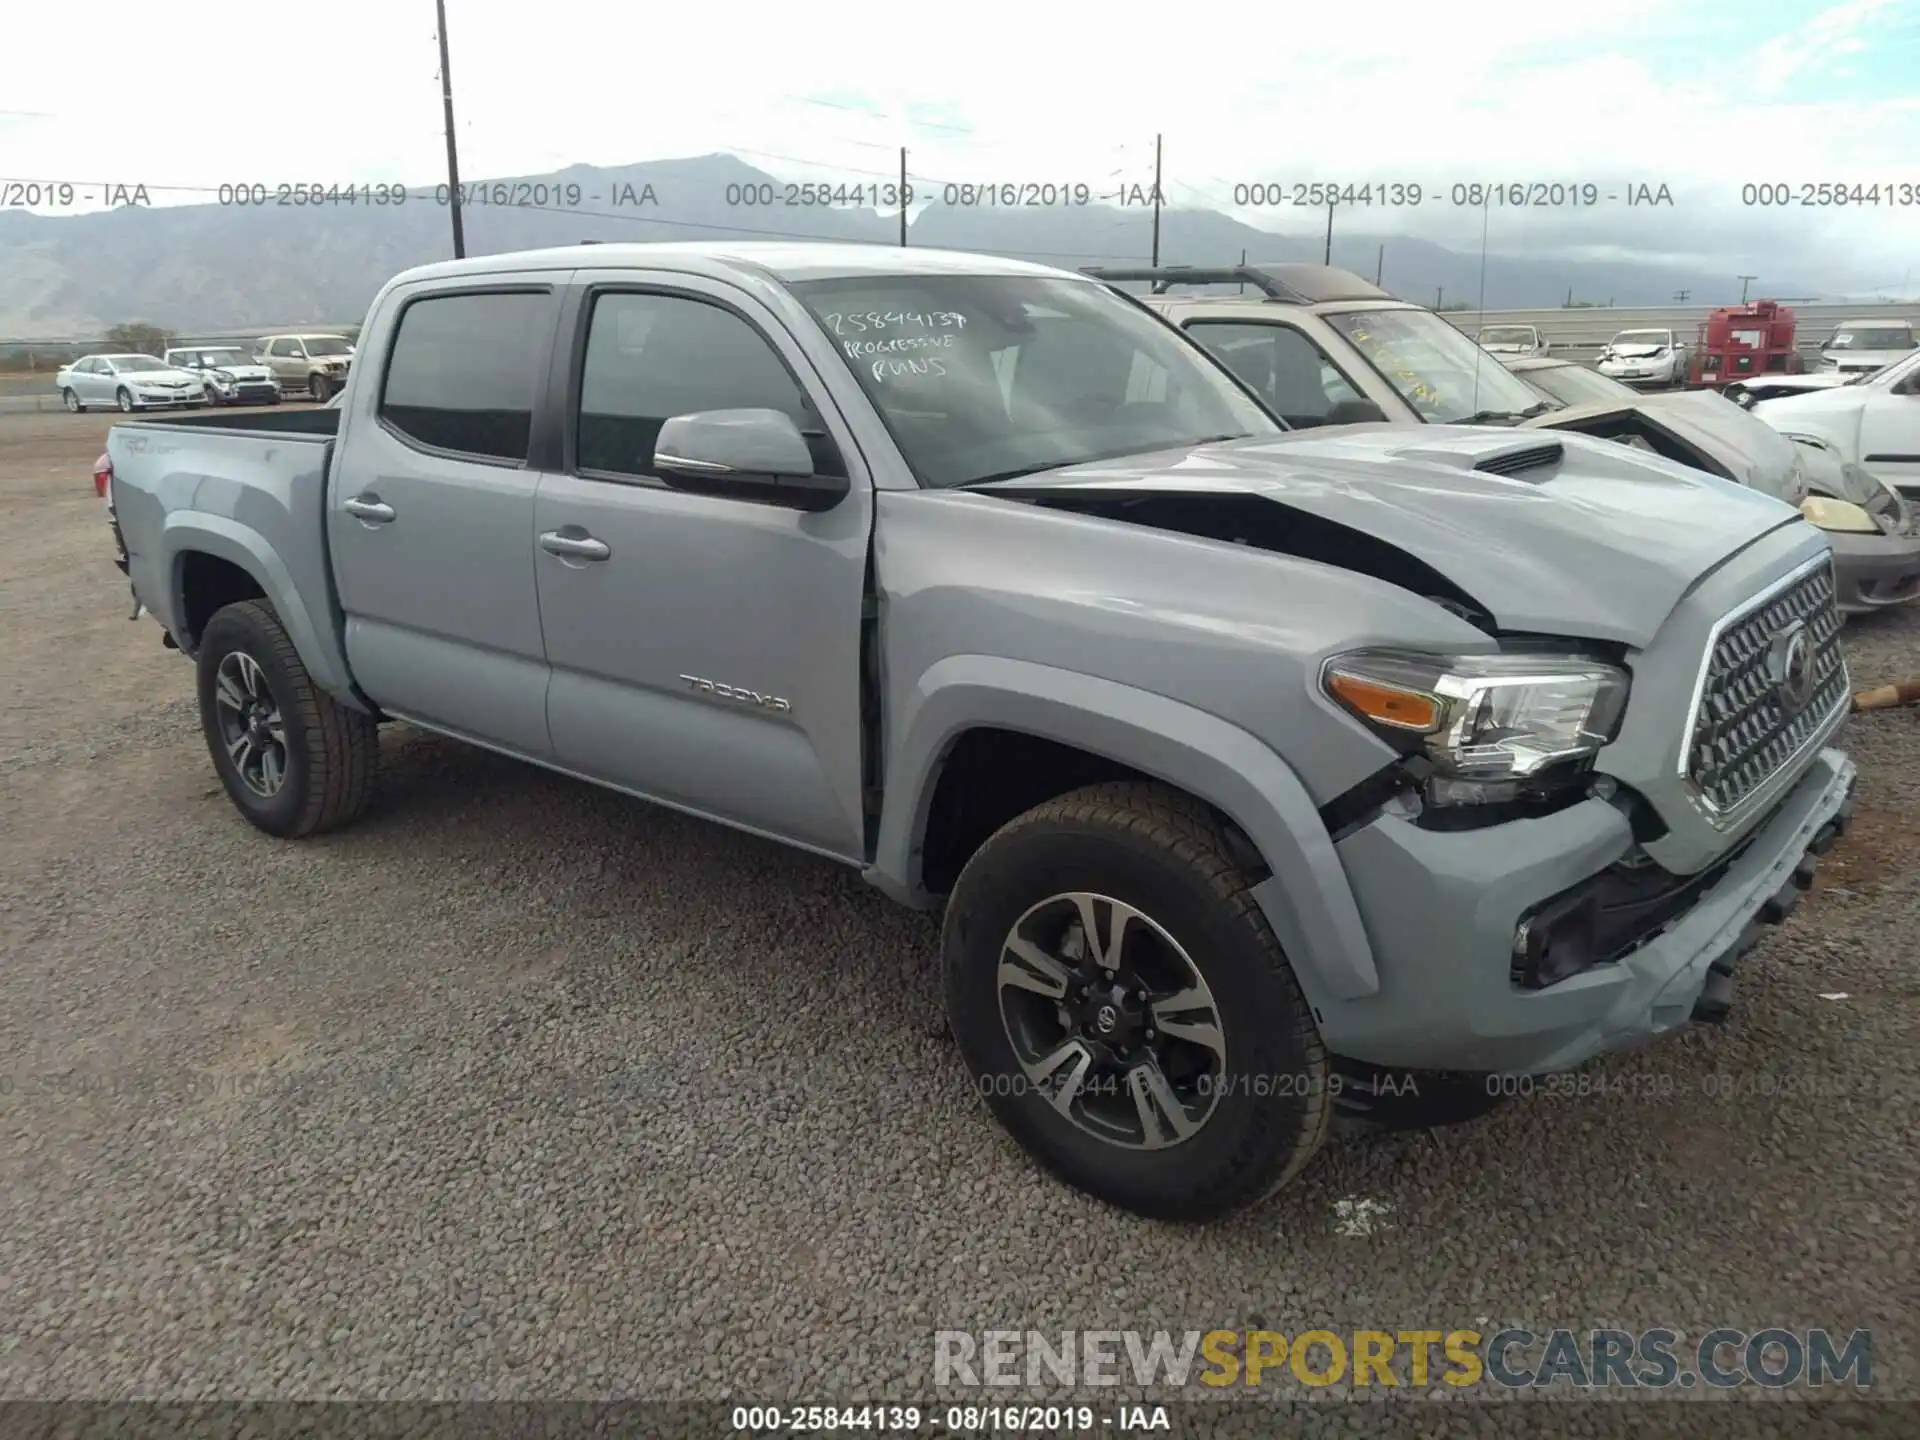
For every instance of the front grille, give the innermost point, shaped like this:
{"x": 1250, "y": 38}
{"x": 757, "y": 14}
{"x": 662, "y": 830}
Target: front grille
{"x": 1744, "y": 731}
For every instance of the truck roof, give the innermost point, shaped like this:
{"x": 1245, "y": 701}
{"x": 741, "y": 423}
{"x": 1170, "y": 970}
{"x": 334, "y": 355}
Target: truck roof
{"x": 788, "y": 260}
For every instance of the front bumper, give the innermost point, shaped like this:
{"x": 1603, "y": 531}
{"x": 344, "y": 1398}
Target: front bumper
{"x": 246, "y": 392}
{"x": 1442, "y": 910}
{"x": 1873, "y": 572}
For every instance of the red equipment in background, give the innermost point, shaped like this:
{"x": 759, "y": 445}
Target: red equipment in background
{"x": 1736, "y": 342}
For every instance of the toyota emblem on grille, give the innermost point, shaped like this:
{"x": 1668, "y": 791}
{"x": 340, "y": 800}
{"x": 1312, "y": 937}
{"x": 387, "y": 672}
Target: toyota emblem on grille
{"x": 1790, "y": 663}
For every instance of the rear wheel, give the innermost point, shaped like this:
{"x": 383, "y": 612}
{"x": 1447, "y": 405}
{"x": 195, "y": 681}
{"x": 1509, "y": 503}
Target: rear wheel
{"x": 293, "y": 761}
{"x": 1125, "y": 1009}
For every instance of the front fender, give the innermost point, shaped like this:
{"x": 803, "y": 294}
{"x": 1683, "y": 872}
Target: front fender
{"x": 1307, "y": 900}
{"x": 187, "y": 531}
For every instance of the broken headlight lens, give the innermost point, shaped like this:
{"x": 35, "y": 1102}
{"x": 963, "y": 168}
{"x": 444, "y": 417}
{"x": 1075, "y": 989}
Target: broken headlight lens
{"x": 1494, "y": 727}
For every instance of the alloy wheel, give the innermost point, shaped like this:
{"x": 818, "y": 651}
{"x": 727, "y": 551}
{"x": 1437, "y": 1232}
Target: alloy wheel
{"x": 1111, "y": 1021}
{"x": 251, "y": 726}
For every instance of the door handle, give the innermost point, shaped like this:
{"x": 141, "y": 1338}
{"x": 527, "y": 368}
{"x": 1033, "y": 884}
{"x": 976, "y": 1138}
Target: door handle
{"x": 574, "y": 547}
{"x": 372, "y": 512}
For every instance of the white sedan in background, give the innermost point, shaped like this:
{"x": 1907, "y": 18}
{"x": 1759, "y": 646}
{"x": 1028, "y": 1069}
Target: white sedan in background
{"x": 1644, "y": 357}
{"x": 1873, "y": 422}
{"x": 130, "y": 382}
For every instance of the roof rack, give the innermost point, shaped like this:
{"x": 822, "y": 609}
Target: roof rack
{"x": 1295, "y": 284}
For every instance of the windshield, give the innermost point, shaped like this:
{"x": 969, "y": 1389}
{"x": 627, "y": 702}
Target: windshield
{"x": 1577, "y": 385}
{"x": 1883, "y": 337}
{"x": 219, "y": 358}
{"x": 327, "y": 345}
{"x": 1436, "y": 369}
{"x": 988, "y": 377}
{"x": 1507, "y": 335}
{"x": 126, "y": 363}
{"x": 1641, "y": 337}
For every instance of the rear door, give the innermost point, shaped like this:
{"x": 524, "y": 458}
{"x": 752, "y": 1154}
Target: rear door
{"x": 711, "y": 657}
{"x": 430, "y": 509}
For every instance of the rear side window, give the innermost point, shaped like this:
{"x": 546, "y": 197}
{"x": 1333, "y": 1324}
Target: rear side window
{"x": 462, "y": 372}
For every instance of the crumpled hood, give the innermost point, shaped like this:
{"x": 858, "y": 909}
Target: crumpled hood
{"x": 1751, "y": 448}
{"x": 242, "y": 372}
{"x": 1601, "y": 544}
{"x": 1635, "y": 352}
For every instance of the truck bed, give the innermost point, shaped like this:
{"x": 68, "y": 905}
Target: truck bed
{"x": 248, "y": 491}
{"x": 316, "y": 423}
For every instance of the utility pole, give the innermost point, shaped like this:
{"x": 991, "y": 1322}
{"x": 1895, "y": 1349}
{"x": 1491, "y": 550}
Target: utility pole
{"x": 1156, "y": 200}
{"x": 453, "y": 154}
{"x": 1439, "y": 296}
{"x": 1680, "y": 296}
{"x": 1745, "y": 280}
{"x": 903, "y": 197}
{"x": 1243, "y": 284}
{"x": 1327, "y": 258}
{"x": 1380, "y": 263}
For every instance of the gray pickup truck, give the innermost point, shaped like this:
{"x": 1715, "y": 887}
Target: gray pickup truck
{"x": 1260, "y": 775}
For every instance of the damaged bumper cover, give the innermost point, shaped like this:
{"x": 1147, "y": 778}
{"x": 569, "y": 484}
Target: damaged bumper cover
{"x": 1451, "y": 917}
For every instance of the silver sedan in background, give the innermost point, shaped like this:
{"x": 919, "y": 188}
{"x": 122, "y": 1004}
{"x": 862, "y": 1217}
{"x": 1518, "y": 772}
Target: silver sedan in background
{"x": 130, "y": 382}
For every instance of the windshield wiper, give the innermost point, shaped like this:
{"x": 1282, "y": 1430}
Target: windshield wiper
{"x": 1504, "y": 417}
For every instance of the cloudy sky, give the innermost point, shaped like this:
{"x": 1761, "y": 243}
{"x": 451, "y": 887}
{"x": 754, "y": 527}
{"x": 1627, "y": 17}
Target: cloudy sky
{"x": 1701, "y": 96}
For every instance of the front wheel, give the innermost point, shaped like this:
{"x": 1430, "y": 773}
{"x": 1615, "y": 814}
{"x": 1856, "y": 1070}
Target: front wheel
{"x": 71, "y": 401}
{"x": 319, "y": 388}
{"x": 293, "y": 761}
{"x": 124, "y": 401}
{"x": 1125, "y": 1009}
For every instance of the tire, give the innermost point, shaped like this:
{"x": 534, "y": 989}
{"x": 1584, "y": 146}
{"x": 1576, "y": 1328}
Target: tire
{"x": 329, "y": 753}
{"x": 317, "y": 387}
{"x": 1266, "y": 1108}
{"x": 124, "y": 400}
{"x": 72, "y": 402}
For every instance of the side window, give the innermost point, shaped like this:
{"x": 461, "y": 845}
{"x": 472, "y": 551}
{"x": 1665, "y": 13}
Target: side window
{"x": 1292, "y": 376}
{"x": 462, "y": 371}
{"x": 651, "y": 357}
{"x": 285, "y": 348}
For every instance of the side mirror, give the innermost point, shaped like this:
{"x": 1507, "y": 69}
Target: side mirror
{"x": 747, "y": 455}
{"x": 1355, "y": 412}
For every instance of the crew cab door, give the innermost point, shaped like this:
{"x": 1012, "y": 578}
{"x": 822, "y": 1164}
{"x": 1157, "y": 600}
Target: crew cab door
{"x": 1890, "y": 432}
{"x": 430, "y": 509}
{"x": 710, "y": 657}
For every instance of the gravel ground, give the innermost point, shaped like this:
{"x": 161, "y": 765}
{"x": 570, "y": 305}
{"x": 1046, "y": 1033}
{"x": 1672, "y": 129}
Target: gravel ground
{"x": 520, "y": 1090}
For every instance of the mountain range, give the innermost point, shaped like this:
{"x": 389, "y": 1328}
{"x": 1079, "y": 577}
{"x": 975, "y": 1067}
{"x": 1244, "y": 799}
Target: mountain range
{"x": 198, "y": 268}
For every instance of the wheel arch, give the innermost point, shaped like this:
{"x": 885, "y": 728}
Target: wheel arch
{"x": 213, "y": 558}
{"x": 1306, "y": 898}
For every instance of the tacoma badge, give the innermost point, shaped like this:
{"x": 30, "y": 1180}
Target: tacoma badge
{"x": 735, "y": 692}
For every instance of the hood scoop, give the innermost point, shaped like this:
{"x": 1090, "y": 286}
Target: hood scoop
{"x": 1518, "y": 462}
{"x": 1505, "y": 456}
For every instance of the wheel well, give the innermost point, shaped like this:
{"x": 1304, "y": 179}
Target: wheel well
{"x": 208, "y": 583}
{"x": 991, "y": 775}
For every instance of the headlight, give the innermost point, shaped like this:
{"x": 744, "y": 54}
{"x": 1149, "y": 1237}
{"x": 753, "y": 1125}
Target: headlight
{"x": 1838, "y": 515}
{"x": 1493, "y": 726}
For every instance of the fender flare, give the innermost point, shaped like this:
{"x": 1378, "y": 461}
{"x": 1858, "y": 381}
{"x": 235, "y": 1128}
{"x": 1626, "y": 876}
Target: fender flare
{"x": 1308, "y": 899}
{"x": 186, "y": 531}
